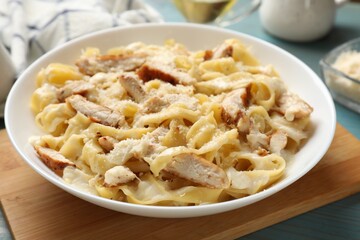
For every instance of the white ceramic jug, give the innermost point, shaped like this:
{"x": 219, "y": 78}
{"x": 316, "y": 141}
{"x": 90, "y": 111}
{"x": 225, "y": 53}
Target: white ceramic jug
{"x": 298, "y": 20}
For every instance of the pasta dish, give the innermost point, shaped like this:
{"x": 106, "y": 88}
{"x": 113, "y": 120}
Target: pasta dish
{"x": 163, "y": 125}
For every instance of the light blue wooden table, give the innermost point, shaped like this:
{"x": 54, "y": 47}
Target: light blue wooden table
{"x": 339, "y": 220}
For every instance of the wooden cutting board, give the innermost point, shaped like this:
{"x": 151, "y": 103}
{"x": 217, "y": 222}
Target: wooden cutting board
{"x": 36, "y": 209}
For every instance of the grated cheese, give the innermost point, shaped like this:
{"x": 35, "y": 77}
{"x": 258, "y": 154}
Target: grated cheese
{"x": 348, "y": 63}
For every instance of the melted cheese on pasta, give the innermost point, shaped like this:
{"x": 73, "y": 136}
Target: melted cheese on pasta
{"x": 231, "y": 116}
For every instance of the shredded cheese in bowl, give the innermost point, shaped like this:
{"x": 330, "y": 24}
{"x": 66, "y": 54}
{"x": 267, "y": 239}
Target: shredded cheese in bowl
{"x": 347, "y": 62}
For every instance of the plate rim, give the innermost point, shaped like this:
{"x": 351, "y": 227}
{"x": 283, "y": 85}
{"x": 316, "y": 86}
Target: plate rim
{"x": 179, "y": 211}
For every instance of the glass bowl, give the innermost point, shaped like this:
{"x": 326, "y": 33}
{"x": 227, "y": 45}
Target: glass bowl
{"x": 344, "y": 86}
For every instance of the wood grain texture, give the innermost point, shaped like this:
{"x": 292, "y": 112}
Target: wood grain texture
{"x": 36, "y": 209}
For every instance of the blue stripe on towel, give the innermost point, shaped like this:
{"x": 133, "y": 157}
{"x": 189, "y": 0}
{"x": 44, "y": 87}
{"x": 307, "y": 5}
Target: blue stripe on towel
{"x": 60, "y": 14}
{"x": 36, "y": 43}
{"x": 66, "y": 26}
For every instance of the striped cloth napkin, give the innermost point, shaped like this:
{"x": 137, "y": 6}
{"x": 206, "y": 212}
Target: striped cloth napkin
{"x": 29, "y": 28}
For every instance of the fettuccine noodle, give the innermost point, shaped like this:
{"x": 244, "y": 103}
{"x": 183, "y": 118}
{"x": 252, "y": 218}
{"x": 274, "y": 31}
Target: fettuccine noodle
{"x": 162, "y": 125}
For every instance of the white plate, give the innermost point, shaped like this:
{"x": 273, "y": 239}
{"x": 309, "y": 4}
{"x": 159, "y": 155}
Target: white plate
{"x": 300, "y": 79}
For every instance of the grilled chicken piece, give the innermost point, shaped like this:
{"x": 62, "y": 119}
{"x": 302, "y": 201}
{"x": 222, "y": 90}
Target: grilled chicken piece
{"x": 278, "y": 141}
{"x": 208, "y": 54}
{"x": 137, "y": 165}
{"x": 134, "y": 164}
{"x": 293, "y": 107}
{"x": 132, "y": 86}
{"x": 53, "y": 159}
{"x": 117, "y": 176}
{"x": 110, "y": 63}
{"x": 175, "y": 182}
{"x": 198, "y": 170}
{"x": 74, "y": 87}
{"x": 95, "y": 112}
{"x": 234, "y": 104}
{"x": 222, "y": 51}
{"x": 187, "y": 166}
{"x": 154, "y": 104}
{"x": 107, "y": 143}
{"x": 165, "y": 71}
{"x": 256, "y": 138}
